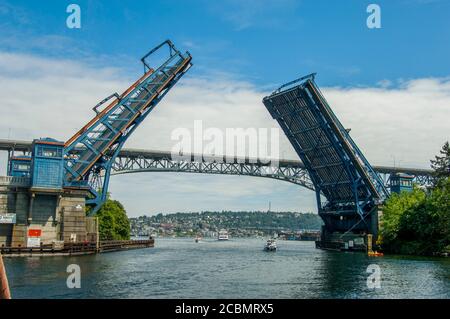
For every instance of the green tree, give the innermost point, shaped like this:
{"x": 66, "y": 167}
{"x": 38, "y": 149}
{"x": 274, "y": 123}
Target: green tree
{"x": 393, "y": 210}
{"x": 425, "y": 229}
{"x": 441, "y": 164}
{"x": 417, "y": 222}
{"x": 113, "y": 221}
{"x": 440, "y": 201}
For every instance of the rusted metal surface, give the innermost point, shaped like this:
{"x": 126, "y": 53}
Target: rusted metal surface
{"x": 4, "y": 286}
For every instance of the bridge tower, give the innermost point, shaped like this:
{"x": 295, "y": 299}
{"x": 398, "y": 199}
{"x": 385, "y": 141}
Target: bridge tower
{"x": 44, "y": 197}
{"x": 401, "y": 183}
{"x": 90, "y": 153}
{"x": 348, "y": 190}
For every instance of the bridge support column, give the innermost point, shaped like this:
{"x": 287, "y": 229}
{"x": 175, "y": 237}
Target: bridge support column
{"x": 376, "y": 225}
{"x": 349, "y": 232}
{"x": 342, "y": 240}
{"x": 48, "y": 216}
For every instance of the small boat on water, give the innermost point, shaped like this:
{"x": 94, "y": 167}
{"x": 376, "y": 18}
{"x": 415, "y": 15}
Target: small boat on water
{"x": 223, "y": 235}
{"x": 271, "y": 245}
{"x": 198, "y": 238}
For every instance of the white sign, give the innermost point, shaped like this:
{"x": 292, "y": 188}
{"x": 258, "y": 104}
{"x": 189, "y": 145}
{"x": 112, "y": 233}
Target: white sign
{"x": 7, "y": 218}
{"x": 34, "y": 242}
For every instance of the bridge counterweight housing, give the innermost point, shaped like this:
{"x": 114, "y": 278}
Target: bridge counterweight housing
{"x": 47, "y": 164}
{"x": 19, "y": 166}
{"x": 348, "y": 190}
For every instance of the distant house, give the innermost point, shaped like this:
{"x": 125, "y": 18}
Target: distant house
{"x": 167, "y": 226}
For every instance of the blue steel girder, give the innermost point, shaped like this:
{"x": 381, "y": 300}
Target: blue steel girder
{"x": 137, "y": 164}
{"x": 90, "y": 152}
{"x": 109, "y": 159}
{"x": 335, "y": 164}
{"x": 422, "y": 177}
{"x": 139, "y": 161}
{"x": 374, "y": 178}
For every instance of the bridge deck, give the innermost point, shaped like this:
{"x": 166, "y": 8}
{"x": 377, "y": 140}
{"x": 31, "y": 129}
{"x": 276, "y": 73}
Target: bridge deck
{"x": 25, "y": 147}
{"x": 319, "y": 139}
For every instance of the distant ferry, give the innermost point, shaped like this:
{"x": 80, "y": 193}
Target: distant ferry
{"x": 223, "y": 235}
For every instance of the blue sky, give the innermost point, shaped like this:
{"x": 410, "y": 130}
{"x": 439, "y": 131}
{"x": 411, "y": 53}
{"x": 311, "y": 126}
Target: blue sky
{"x": 264, "y": 42}
{"x": 382, "y": 83}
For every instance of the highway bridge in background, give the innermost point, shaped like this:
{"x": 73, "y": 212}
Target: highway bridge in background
{"x": 293, "y": 171}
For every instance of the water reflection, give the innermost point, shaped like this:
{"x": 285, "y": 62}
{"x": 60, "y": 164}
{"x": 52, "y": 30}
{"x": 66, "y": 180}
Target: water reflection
{"x": 180, "y": 268}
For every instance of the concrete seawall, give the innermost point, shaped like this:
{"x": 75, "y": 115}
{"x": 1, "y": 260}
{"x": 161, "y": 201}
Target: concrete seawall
{"x": 74, "y": 249}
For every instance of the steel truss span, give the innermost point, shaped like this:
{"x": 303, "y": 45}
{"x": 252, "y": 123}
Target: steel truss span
{"x": 90, "y": 153}
{"x": 293, "y": 171}
{"x": 290, "y": 173}
{"x": 348, "y": 189}
{"x": 137, "y": 160}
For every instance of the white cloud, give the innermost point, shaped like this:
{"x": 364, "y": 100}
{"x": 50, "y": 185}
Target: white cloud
{"x": 409, "y": 123}
{"x": 47, "y": 97}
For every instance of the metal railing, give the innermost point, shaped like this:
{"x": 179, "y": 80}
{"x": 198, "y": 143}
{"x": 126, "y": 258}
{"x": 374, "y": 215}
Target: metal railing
{"x": 77, "y": 248}
{"x": 15, "y": 181}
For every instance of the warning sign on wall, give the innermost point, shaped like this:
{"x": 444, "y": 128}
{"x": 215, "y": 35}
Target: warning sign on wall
{"x": 34, "y": 238}
{"x": 34, "y": 232}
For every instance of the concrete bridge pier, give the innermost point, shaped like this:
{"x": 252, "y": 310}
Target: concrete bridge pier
{"x": 33, "y": 217}
{"x": 350, "y": 232}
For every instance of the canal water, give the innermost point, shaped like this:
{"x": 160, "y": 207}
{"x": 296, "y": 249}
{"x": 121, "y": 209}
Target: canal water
{"x": 239, "y": 268}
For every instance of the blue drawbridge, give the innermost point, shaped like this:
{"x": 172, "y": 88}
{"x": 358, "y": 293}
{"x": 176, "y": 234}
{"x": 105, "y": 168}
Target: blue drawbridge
{"x": 90, "y": 153}
{"x": 348, "y": 190}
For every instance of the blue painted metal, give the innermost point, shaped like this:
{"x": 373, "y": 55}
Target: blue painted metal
{"x": 19, "y": 166}
{"x": 135, "y": 160}
{"x": 47, "y": 164}
{"x": 348, "y": 190}
{"x": 401, "y": 183}
{"x": 90, "y": 152}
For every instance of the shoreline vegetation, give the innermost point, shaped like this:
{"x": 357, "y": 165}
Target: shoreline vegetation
{"x": 113, "y": 221}
{"x": 418, "y": 222}
{"x": 238, "y": 223}
{"x": 414, "y": 222}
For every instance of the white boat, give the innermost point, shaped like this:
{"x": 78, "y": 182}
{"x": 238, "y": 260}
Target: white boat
{"x": 271, "y": 245}
{"x": 198, "y": 238}
{"x": 223, "y": 235}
